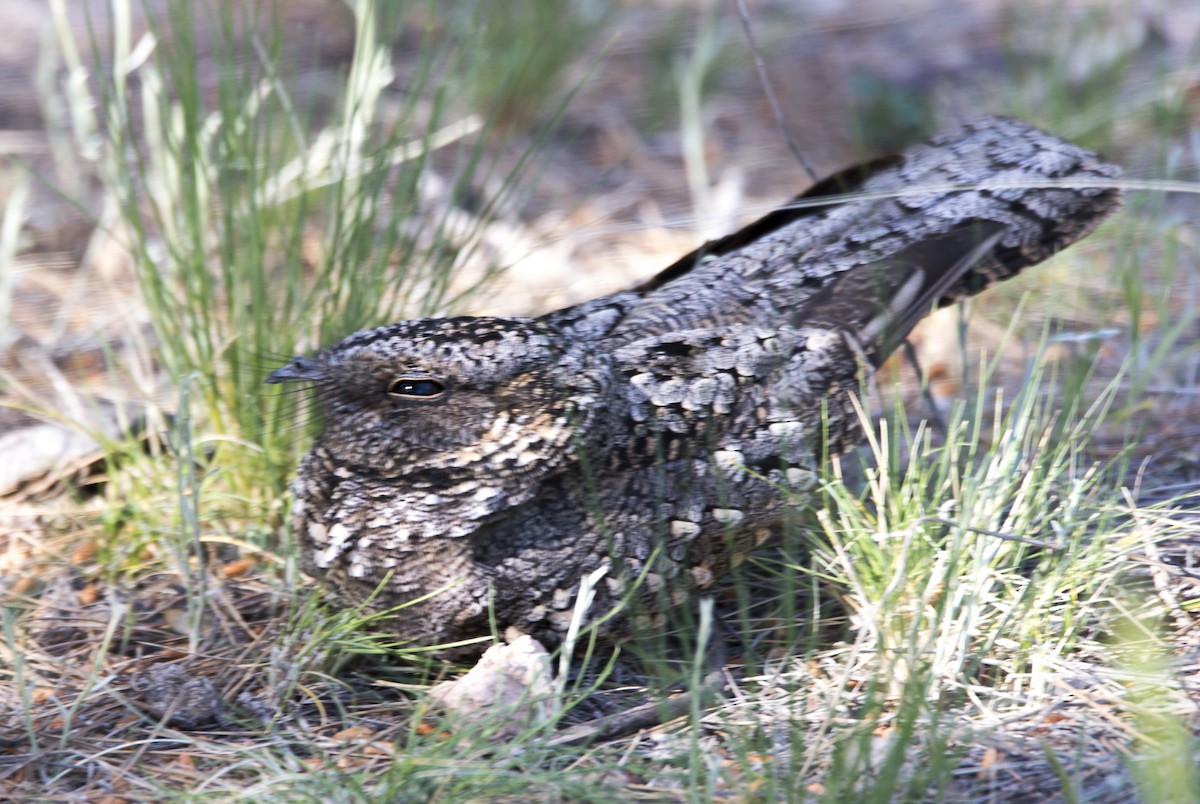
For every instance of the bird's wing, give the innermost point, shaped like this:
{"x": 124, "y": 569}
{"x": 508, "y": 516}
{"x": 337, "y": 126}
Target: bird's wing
{"x": 997, "y": 181}
{"x": 879, "y": 303}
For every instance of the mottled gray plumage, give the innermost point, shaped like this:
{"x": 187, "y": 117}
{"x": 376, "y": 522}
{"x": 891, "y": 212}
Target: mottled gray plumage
{"x": 496, "y": 461}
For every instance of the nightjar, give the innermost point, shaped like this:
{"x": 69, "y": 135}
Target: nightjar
{"x": 480, "y": 467}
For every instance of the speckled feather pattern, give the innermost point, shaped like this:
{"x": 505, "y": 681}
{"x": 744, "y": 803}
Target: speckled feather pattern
{"x": 654, "y": 431}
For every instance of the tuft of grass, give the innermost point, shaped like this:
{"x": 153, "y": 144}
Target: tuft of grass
{"x": 1163, "y": 765}
{"x": 950, "y": 578}
{"x": 257, "y": 227}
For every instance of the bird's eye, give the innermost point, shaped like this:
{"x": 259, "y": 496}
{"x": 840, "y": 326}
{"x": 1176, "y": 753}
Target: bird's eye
{"x": 415, "y": 386}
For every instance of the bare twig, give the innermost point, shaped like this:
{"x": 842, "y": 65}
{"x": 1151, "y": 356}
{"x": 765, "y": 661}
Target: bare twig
{"x": 761, "y": 66}
{"x": 1008, "y": 537}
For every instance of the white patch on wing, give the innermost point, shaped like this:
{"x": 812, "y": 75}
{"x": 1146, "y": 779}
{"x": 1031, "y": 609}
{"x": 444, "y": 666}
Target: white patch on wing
{"x": 338, "y": 536}
{"x": 684, "y": 530}
{"x": 731, "y": 462}
{"x": 789, "y": 432}
{"x": 801, "y": 479}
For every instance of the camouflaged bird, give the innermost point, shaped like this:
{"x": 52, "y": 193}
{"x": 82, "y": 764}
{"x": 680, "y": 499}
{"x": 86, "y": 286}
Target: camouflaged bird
{"x": 483, "y": 466}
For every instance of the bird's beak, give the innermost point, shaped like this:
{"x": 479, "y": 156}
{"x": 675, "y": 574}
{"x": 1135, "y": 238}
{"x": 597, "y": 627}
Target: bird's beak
{"x": 300, "y": 369}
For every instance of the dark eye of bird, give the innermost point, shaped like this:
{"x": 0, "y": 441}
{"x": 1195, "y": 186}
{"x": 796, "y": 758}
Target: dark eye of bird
{"x": 415, "y": 386}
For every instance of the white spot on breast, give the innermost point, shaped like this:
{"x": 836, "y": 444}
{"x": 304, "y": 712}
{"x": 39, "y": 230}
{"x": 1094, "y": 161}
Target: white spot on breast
{"x": 820, "y": 340}
{"x": 728, "y": 516}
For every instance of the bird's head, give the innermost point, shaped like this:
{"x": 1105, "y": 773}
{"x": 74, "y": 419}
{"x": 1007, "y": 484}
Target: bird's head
{"x": 449, "y": 396}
